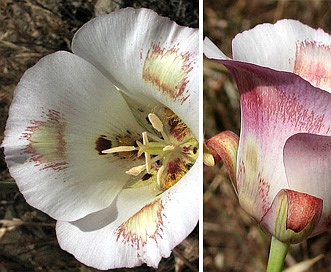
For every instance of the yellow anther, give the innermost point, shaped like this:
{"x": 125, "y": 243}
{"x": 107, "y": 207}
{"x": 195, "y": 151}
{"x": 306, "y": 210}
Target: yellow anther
{"x": 208, "y": 159}
{"x": 159, "y": 175}
{"x": 158, "y": 125}
{"x": 135, "y": 171}
{"x": 119, "y": 149}
{"x": 156, "y": 122}
{"x": 168, "y": 148}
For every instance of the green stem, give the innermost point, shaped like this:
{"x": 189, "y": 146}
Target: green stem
{"x": 278, "y": 252}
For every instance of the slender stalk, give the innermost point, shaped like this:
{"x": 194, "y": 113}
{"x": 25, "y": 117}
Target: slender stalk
{"x": 278, "y": 252}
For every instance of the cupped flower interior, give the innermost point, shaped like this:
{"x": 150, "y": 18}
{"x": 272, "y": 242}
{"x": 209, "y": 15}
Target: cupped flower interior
{"x": 169, "y": 152}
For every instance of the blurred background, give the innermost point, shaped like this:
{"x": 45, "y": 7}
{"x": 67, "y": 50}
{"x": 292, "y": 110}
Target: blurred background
{"x": 29, "y": 30}
{"x": 232, "y": 240}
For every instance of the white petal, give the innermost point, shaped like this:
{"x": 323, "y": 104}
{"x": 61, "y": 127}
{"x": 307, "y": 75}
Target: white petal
{"x": 109, "y": 239}
{"x": 275, "y": 45}
{"x": 149, "y": 57}
{"x": 212, "y": 51}
{"x": 182, "y": 206}
{"x": 62, "y": 107}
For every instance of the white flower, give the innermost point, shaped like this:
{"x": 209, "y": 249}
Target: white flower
{"x": 104, "y": 140}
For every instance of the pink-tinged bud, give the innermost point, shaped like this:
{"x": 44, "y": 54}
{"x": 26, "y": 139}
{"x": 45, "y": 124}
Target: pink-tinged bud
{"x": 224, "y": 147}
{"x": 292, "y": 216}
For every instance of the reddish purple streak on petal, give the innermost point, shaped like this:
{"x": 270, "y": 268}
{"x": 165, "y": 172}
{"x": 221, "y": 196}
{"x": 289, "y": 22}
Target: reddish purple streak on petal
{"x": 269, "y": 96}
{"x": 263, "y": 193}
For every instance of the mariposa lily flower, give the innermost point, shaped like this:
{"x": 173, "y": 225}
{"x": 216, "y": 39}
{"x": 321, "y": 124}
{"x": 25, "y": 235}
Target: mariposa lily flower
{"x": 105, "y": 140}
{"x": 281, "y": 166}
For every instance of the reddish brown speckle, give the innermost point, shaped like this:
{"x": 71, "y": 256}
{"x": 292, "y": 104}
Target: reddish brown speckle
{"x": 177, "y": 128}
{"x": 146, "y": 176}
{"x": 175, "y": 170}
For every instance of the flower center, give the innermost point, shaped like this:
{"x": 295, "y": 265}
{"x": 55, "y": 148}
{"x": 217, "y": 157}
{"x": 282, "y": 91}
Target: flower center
{"x": 169, "y": 152}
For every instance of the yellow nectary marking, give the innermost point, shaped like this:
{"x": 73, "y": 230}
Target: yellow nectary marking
{"x": 47, "y": 145}
{"x": 145, "y": 224}
{"x": 168, "y": 69}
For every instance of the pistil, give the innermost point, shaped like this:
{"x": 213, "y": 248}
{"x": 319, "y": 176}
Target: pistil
{"x": 147, "y": 155}
{"x": 147, "y": 148}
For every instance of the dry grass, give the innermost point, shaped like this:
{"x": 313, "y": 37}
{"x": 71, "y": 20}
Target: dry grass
{"x": 29, "y": 30}
{"x": 232, "y": 241}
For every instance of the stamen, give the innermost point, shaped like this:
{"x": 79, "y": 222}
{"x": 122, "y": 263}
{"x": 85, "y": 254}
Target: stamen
{"x": 156, "y": 122}
{"x": 145, "y": 138}
{"x": 135, "y": 171}
{"x": 168, "y": 148}
{"x": 208, "y": 159}
{"x": 148, "y": 163}
{"x": 119, "y": 149}
{"x": 159, "y": 175}
{"x": 158, "y": 125}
